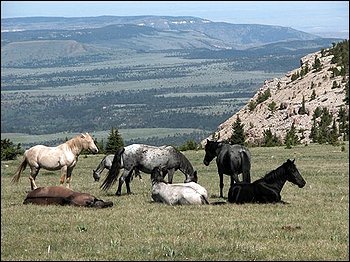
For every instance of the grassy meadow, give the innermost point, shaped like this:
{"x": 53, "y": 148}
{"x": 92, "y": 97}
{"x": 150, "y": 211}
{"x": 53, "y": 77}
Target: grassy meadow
{"x": 313, "y": 226}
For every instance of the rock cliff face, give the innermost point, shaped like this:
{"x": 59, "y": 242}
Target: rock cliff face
{"x": 316, "y": 88}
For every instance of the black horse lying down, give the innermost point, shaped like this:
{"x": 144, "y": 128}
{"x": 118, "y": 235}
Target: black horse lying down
{"x": 59, "y": 195}
{"x": 268, "y": 188}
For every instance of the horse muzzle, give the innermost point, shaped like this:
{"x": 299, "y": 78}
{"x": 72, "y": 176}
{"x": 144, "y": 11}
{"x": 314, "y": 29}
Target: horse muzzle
{"x": 96, "y": 176}
{"x": 301, "y": 185}
{"x": 94, "y": 150}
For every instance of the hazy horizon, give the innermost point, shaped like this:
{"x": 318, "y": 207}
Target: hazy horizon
{"x": 325, "y": 18}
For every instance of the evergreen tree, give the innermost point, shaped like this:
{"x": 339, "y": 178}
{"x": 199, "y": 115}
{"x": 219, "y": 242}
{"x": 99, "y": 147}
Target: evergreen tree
{"x": 313, "y": 95}
{"x": 343, "y": 123}
{"x": 333, "y": 134}
{"x": 114, "y": 141}
{"x": 9, "y": 151}
{"x": 291, "y": 138}
{"x": 302, "y": 109}
{"x": 314, "y": 131}
{"x": 317, "y": 64}
{"x": 238, "y": 136}
{"x": 270, "y": 139}
{"x": 326, "y": 120}
{"x": 272, "y": 106}
{"x": 346, "y": 99}
{"x": 317, "y": 113}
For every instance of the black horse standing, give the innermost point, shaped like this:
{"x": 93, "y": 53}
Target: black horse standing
{"x": 231, "y": 160}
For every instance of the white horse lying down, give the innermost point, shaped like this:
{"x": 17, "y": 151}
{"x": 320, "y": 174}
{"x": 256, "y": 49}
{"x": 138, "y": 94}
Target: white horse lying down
{"x": 177, "y": 194}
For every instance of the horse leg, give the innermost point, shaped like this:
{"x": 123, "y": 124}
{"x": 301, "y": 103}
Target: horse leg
{"x": 221, "y": 176}
{"x": 127, "y": 182}
{"x": 33, "y": 173}
{"x": 246, "y": 176}
{"x": 170, "y": 175}
{"x": 137, "y": 173}
{"x": 121, "y": 181}
{"x": 69, "y": 177}
{"x": 234, "y": 178}
{"x": 63, "y": 174}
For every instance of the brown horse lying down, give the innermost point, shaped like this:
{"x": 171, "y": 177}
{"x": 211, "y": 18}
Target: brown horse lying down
{"x": 59, "y": 195}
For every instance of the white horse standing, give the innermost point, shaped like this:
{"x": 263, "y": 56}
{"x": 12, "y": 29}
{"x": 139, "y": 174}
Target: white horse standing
{"x": 189, "y": 193}
{"x": 63, "y": 157}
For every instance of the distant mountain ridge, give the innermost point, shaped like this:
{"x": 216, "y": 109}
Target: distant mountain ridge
{"x": 236, "y": 36}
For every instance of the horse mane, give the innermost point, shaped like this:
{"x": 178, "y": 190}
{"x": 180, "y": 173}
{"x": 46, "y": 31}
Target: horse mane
{"x": 276, "y": 174}
{"x": 113, "y": 173}
{"x": 75, "y": 144}
{"x": 185, "y": 165}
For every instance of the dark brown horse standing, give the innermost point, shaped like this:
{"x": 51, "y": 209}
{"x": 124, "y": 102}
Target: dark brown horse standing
{"x": 59, "y": 195}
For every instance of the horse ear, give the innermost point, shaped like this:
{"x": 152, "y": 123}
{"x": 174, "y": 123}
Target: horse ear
{"x": 293, "y": 160}
{"x": 82, "y": 135}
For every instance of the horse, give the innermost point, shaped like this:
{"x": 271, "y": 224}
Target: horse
{"x": 231, "y": 160}
{"x": 266, "y": 189}
{"x": 145, "y": 158}
{"x": 63, "y": 157}
{"x": 106, "y": 163}
{"x": 58, "y": 195}
{"x": 189, "y": 193}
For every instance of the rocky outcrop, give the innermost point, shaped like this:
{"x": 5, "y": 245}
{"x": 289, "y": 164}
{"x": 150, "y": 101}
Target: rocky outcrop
{"x": 285, "y": 106}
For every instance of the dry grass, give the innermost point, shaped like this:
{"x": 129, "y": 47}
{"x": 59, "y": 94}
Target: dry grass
{"x": 314, "y": 226}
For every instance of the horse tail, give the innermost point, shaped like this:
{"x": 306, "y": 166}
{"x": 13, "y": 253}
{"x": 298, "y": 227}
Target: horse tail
{"x": 113, "y": 173}
{"x": 246, "y": 165}
{"x": 20, "y": 169}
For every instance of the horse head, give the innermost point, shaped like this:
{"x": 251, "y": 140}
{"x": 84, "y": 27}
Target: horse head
{"x": 294, "y": 175}
{"x": 89, "y": 143}
{"x": 192, "y": 178}
{"x": 156, "y": 175}
{"x": 96, "y": 175}
{"x": 210, "y": 151}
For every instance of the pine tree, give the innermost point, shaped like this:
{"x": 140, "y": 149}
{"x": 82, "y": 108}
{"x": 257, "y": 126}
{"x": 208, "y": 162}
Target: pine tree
{"x": 314, "y": 131}
{"x": 343, "y": 123}
{"x": 291, "y": 138}
{"x": 313, "y": 95}
{"x": 302, "y": 109}
{"x": 333, "y": 134}
{"x": 238, "y": 136}
{"x": 317, "y": 64}
{"x": 9, "y": 150}
{"x": 114, "y": 142}
{"x": 270, "y": 139}
{"x": 326, "y": 120}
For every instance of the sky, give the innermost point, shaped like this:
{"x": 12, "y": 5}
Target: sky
{"x": 319, "y": 17}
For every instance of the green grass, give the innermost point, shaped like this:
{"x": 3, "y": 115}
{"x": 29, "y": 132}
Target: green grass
{"x": 314, "y": 226}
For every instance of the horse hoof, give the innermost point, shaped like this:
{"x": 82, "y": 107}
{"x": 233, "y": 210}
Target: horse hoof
{"x": 118, "y": 194}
